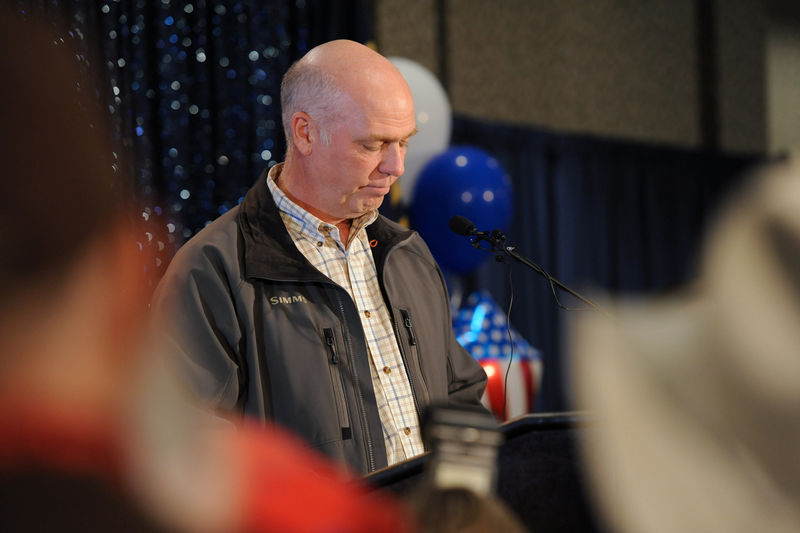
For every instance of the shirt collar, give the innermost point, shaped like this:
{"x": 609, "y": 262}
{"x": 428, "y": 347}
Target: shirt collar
{"x": 300, "y": 222}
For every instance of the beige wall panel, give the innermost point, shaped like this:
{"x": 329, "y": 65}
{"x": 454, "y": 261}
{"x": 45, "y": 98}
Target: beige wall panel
{"x": 615, "y": 68}
{"x": 783, "y": 88}
{"x": 408, "y": 28}
{"x": 742, "y": 27}
{"x": 610, "y": 67}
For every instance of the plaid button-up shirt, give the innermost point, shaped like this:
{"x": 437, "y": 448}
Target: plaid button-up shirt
{"x": 353, "y": 268}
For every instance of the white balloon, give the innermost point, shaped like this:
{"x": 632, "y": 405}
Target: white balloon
{"x": 433, "y": 115}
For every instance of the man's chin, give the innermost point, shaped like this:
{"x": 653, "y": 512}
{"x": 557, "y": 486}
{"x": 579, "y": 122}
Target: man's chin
{"x": 367, "y": 207}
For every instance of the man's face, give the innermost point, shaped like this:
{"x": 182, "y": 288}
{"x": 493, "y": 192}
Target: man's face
{"x": 365, "y": 156}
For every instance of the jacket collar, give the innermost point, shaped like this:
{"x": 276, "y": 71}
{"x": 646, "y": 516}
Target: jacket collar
{"x": 270, "y": 253}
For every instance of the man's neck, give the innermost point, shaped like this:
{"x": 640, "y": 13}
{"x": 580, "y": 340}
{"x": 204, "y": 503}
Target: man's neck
{"x": 344, "y": 225}
{"x": 344, "y": 231}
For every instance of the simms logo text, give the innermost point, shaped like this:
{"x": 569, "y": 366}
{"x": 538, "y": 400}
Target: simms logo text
{"x": 275, "y": 300}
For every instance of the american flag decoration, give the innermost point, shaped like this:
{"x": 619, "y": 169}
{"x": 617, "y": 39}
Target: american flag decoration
{"x": 482, "y": 329}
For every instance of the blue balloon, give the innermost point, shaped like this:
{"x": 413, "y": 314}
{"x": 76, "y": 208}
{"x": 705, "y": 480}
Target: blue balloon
{"x": 466, "y": 181}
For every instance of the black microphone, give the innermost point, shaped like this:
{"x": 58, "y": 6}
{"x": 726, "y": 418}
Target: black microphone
{"x": 463, "y": 226}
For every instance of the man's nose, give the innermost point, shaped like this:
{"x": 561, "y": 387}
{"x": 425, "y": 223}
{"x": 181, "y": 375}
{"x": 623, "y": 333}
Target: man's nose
{"x": 392, "y": 161}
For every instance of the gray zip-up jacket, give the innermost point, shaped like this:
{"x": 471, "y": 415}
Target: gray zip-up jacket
{"x": 256, "y": 329}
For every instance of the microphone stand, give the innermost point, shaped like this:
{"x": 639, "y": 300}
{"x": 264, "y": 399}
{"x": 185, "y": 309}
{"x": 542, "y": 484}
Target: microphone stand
{"x": 497, "y": 240}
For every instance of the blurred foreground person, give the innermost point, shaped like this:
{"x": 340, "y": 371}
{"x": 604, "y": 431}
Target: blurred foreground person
{"x": 461, "y": 510}
{"x": 93, "y": 436}
{"x": 698, "y": 394}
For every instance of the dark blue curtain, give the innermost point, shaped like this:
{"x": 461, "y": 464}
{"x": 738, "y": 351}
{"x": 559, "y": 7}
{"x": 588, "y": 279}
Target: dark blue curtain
{"x": 596, "y": 214}
{"x": 193, "y": 90}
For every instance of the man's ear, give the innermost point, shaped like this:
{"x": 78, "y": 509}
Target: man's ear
{"x": 303, "y": 132}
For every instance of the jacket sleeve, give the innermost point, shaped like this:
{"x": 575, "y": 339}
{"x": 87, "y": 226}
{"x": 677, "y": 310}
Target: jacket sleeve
{"x": 466, "y": 377}
{"x": 198, "y": 328}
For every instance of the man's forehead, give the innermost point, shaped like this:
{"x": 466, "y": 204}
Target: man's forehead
{"x": 380, "y": 137}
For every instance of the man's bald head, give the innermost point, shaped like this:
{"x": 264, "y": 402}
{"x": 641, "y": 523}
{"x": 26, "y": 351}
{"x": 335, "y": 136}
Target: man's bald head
{"x": 330, "y": 73}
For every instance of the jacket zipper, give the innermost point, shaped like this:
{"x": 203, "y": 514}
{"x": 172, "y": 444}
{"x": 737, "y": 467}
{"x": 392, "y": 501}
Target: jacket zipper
{"x": 412, "y": 340}
{"x": 336, "y": 380}
{"x": 359, "y": 394}
{"x": 414, "y": 345}
{"x": 331, "y": 346}
{"x": 408, "y": 371}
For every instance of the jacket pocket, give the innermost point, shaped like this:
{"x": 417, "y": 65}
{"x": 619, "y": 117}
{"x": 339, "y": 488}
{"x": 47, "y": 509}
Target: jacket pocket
{"x": 414, "y": 356}
{"x": 336, "y": 370}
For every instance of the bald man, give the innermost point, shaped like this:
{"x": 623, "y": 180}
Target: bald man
{"x": 306, "y": 307}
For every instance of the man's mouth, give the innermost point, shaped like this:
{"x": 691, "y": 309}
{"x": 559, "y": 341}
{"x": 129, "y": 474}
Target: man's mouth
{"x": 378, "y": 189}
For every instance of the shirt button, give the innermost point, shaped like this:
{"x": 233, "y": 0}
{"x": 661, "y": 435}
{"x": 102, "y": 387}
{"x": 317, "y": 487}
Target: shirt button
{"x": 319, "y": 243}
{"x": 367, "y": 314}
{"x": 407, "y": 431}
{"x": 386, "y": 370}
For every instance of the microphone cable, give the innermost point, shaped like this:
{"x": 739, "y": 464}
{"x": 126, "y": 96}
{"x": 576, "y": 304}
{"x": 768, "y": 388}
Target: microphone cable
{"x": 502, "y": 259}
